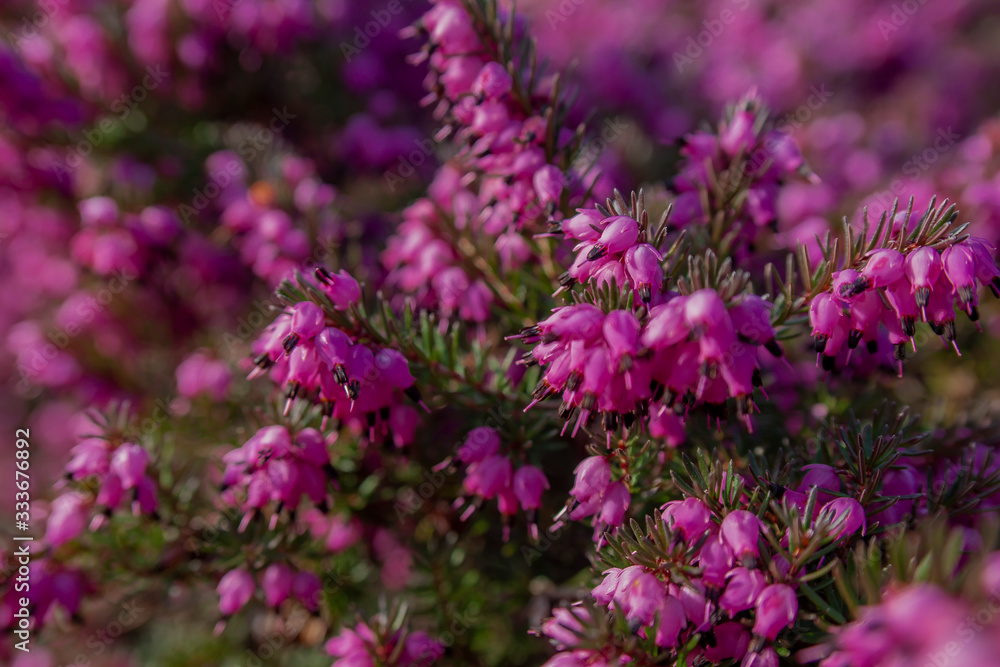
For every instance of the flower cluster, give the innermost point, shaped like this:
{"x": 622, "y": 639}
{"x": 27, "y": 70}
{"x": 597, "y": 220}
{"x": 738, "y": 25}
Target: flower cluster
{"x": 737, "y": 171}
{"x": 274, "y": 467}
{"x": 707, "y": 571}
{"x": 897, "y": 289}
{"x": 489, "y": 474}
{"x": 897, "y": 631}
{"x": 53, "y": 586}
{"x": 498, "y": 119}
{"x": 690, "y": 350}
{"x": 144, "y": 216}
{"x": 594, "y": 494}
{"x": 351, "y": 381}
{"x": 278, "y": 582}
{"x": 612, "y": 250}
{"x": 199, "y": 374}
{"x": 271, "y": 236}
{"x": 423, "y": 263}
{"x": 108, "y": 473}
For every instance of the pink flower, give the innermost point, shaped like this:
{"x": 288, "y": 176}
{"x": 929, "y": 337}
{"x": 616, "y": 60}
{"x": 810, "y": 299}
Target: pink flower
{"x": 199, "y": 374}
{"x": 741, "y": 531}
{"x": 731, "y": 642}
{"x": 614, "y": 504}
{"x": 342, "y": 289}
{"x": 776, "y": 609}
{"x": 883, "y": 268}
{"x": 640, "y": 595}
{"x": 66, "y": 520}
{"x": 822, "y": 476}
{"x": 235, "y": 589}
{"x": 766, "y": 657}
{"x": 129, "y": 463}
{"x": 620, "y": 234}
{"x": 306, "y": 586}
{"x": 564, "y": 625}
{"x": 643, "y": 263}
{"x": 420, "y": 650}
{"x": 276, "y": 582}
{"x": 846, "y": 516}
{"x": 593, "y": 475}
{"x": 671, "y": 619}
{"x": 743, "y": 587}
{"x": 689, "y": 516}
{"x": 494, "y": 474}
{"x": 923, "y": 266}
{"x": 529, "y": 483}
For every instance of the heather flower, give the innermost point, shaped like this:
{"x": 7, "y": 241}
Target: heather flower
{"x": 306, "y": 586}
{"x": 776, "y": 608}
{"x": 614, "y": 504}
{"x": 129, "y": 464}
{"x": 740, "y": 531}
{"x": 67, "y": 518}
{"x": 731, "y": 642}
{"x": 743, "y": 587}
{"x": 821, "y": 476}
{"x": 689, "y": 516}
{"x": 593, "y": 476}
{"x": 235, "y": 589}
{"x": 276, "y": 582}
{"x": 564, "y": 625}
{"x": 640, "y": 596}
{"x": 529, "y": 484}
{"x": 847, "y": 515}
{"x": 671, "y": 620}
{"x": 479, "y": 444}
